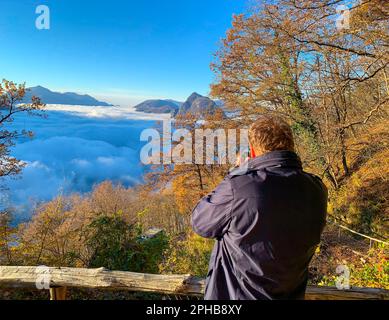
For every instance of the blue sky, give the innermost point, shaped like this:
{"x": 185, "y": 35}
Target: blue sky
{"x": 123, "y": 51}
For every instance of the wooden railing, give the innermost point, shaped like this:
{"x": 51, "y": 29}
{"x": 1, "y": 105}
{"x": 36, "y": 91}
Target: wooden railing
{"x": 58, "y": 279}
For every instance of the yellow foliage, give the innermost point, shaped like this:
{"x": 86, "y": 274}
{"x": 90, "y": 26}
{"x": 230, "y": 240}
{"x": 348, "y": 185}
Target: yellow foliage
{"x": 188, "y": 256}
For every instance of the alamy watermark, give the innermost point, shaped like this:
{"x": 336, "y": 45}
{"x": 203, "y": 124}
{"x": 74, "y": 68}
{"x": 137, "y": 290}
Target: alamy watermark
{"x": 343, "y": 19}
{"x": 199, "y": 146}
{"x": 42, "y": 22}
{"x": 343, "y": 279}
{"x": 43, "y": 279}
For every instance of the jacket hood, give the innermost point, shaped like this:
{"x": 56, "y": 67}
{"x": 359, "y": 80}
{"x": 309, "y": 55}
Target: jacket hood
{"x": 282, "y": 158}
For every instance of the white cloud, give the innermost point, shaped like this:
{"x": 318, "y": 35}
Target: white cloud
{"x": 74, "y": 150}
{"x": 107, "y": 112}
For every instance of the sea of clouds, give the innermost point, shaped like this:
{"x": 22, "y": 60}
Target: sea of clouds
{"x": 75, "y": 148}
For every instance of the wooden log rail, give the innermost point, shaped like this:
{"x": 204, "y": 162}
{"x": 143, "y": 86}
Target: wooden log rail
{"x": 58, "y": 279}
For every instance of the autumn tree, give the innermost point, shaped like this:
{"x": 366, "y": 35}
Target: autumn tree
{"x": 290, "y": 57}
{"x": 7, "y": 236}
{"x": 52, "y": 236}
{"x": 11, "y": 104}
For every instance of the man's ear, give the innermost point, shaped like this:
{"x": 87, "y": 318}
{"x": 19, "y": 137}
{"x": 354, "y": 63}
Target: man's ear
{"x": 252, "y": 152}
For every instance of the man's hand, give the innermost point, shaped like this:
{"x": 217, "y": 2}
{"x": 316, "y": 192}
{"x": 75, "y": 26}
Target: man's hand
{"x": 241, "y": 160}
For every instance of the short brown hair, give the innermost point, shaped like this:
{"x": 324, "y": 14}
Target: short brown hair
{"x": 270, "y": 133}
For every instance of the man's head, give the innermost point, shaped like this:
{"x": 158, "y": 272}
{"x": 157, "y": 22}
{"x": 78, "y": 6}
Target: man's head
{"x": 270, "y": 133}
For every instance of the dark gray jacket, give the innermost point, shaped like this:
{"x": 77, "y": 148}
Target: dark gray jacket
{"x": 267, "y": 223}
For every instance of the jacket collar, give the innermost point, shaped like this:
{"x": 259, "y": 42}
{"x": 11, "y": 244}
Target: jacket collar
{"x": 275, "y": 159}
{"x": 282, "y": 158}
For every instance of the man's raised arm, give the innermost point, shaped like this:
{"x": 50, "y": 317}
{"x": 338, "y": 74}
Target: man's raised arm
{"x": 211, "y": 216}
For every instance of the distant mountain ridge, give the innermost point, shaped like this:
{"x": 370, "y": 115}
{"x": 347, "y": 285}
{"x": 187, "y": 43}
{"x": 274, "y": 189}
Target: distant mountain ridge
{"x": 178, "y": 103}
{"x": 195, "y": 104}
{"x": 68, "y": 98}
{"x": 158, "y": 106}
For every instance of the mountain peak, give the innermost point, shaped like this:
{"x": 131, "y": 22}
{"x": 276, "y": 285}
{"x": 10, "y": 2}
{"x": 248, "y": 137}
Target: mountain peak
{"x": 195, "y": 95}
{"x": 39, "y": 88}
{"x": 198, "y": 104}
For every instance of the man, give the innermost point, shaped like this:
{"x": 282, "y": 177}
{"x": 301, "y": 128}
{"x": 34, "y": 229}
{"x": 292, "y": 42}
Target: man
{"x": 267, "y": 221}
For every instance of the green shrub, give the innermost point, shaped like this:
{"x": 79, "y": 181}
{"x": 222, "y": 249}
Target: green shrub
{"x": 117, "y": 245}
{"x": 188, "y": 256}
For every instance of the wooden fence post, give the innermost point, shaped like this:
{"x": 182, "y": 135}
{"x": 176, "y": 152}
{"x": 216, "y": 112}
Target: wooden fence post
{"x": 58, "y": 293}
